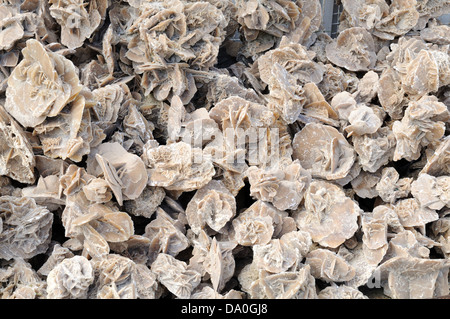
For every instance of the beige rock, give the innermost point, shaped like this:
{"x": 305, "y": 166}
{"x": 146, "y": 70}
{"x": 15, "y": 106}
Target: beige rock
{"x": 375, "y": 150}
{"x": 118, "y": 277}
{"x": 404, "y": 51}
{"x": 235, "y": 112}
{"x": 375, "y": 231}
{"x": 362, "y": 121}
{"x": 147, "y": 203}
{"x": 438, "y": 34}
{"x": 221, "y": 86}
{"x": 20, "y": 281}
{"x": 220, "y": 263}
{"x": 441, "y": 232}
{"x": 439, "y": 161}
{"x": 77, "y": 22}
{"x": 328, "y": 266}
{"x": 265, "y": 22}
{"x": 47, "y": 192}
{"x": 375, "y": 241}
{"x": 201, "y": 244}
{"x": 41, "y": 85}
{"x": 391, "y": 93}
{"x": 341, "y": 292}
{"x": 329, "y": 216}
{"x": 166, "y": 235}
{"x": 308, "y": 23}
{"x": 272, "y": 257}
{"x": 421, "y": 75}
{"x": 178, "y": 166}
{"x": 284, "y": 81}
{"x": 387, "y": 213}
{"x": 272, "y": 17}
{"x": 12, "y": 28}
{"x": 406, "y": 244}
{"x": 70, "y": 279}
{"x": 430, "y": 9}
{"x": 137, "y": 129}
{"x": 284, "y": 187}
{"x": 281, "y": 255}
{"x": 254, "y": 226}
{"x": 344, "y": 103}
{"x": 26, "y": 228}
{"x": 354, "y": 50}
{"x": 323, "y": 151}
{"x": 364, "y": 263}
{"x": 367, "y": 87}
{"x": 97, "y": 190}
{"x": 137, "y": 248}
{"x": 401, "y": 18}
{"x": 362, "y": 13}
{"x": 391, "y": 187}
{"x": 17, "y": 156}
{"x": 222, "y": 149}
{"x": 316, "y": 107}
{"x": 58, "y": 254}
{"x": 94, "y": 225}
{"x": 109, "y": 100}
{"x": 212, "y": 205}
{"x": 365, "y": 183}
{"x": 181, "y": 40}
{"x": 432, "y": 192}
{"x": 124, "y": 172}
{"x": 423, "y": 124}
{"x": 175, "y": 275}
{"x": 74, "y": 179}
{"x": 68, "y": 135}
{"x": 286, "y": 285}
{"x": 412, "y": 215}
{"x": 334, "y": 81}
{"x": 414, "y": 278}
{"x": 251, "y": 132}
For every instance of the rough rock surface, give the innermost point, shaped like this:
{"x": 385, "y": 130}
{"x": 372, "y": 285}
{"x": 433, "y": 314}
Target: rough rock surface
{"x": 224, "y": 149}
